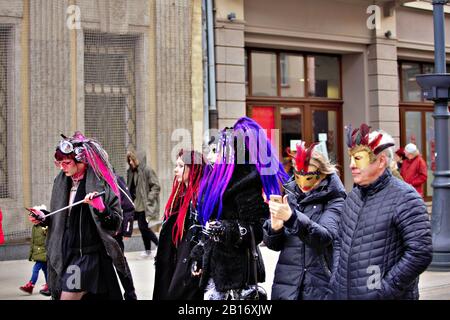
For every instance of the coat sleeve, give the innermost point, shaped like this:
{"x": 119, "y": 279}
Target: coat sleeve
{"x": 318, "y": 234}
{"x": 274, "y": 240}
{"x": 412, "y": 222}
{"x": 111, "y": 217}
{"x": 337, "y": 245}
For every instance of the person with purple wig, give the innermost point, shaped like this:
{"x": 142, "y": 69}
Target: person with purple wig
{"x": 232, "y": 210}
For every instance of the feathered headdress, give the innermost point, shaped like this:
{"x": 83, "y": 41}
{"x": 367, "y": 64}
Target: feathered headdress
{"x": 90, "y": 152}
{"x": 303, "y": 157}
{"x": 358, "y": 140}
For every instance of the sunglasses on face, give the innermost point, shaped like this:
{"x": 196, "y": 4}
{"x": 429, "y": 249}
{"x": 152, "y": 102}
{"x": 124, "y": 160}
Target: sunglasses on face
{"x": 63, "y": 163}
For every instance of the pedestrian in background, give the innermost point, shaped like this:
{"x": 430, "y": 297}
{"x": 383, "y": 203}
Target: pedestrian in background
{"x": 399, "y": 157}
{"x": 38, "y": 254}
{"x": 144, "y": 188}
{"x": 414, "y": 168}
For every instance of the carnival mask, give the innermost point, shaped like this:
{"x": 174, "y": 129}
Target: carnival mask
{"x": 362, "y": 152}
{"x": 307, "y": 181}
{"x": 307, "y": 175}
{"x": 360, "y": 159}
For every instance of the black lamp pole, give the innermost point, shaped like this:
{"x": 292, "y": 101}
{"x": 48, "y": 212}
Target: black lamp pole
{"x": 436, "y": 87}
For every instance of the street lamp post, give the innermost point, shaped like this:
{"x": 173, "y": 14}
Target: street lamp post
{"x": 436, "y": 87}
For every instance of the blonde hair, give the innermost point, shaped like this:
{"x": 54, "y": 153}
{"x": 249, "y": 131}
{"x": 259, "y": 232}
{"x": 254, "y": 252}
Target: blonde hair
{"x": 323, "y": 165}
{"x": 132, "y": 156}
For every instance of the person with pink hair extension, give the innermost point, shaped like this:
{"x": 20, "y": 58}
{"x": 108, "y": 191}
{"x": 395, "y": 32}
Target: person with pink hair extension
{"x": 81, "y": 250}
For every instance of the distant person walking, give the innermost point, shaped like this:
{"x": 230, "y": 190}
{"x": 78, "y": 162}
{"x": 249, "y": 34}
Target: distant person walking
{"x": 414, "y": 168}
{"x": 144, "y": 189}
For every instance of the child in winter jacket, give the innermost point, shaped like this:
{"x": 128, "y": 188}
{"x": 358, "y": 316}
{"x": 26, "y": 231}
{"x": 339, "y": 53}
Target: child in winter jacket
{"x": 38, "y": 254}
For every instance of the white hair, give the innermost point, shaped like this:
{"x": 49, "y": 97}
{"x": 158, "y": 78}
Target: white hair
{"x": 387, "y": 138}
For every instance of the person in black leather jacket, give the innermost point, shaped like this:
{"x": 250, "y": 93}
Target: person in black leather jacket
{"x": 304, "y": 227}
{"x": 385, "y": 232}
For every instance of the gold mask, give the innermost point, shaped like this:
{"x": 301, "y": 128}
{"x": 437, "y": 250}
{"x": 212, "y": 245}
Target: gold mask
{"x": 361, "y": 157}
{"x": 361, "y": 160}
{"x": 307, "y": 181}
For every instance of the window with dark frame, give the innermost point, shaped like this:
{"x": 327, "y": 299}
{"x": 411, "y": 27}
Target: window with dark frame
{"x": 110, "y": 94}
{"x": 306, "y": 102}
{"x": 273, "y": 72}
{"x": 416, "y": 122}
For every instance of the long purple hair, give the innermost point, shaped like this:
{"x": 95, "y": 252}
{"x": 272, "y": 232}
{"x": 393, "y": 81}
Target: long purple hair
{"x": 245, "y": 140}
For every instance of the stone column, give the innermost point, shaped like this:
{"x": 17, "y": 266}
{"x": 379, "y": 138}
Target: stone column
{"x": 383, "y": 87}
{"x": 230, "y": 62}
{"x": 50, "y": 91}
{"x": 173, "y": 86}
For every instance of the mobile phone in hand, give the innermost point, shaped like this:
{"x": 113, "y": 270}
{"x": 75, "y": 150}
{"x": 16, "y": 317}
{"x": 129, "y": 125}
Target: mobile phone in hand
{"x": 276, "y": 198}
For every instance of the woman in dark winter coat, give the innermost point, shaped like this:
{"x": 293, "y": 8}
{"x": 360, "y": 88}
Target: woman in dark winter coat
{"x": 231, "y": 205}
{"x": 173, "y": 278}
{"x": 304, "y": 227}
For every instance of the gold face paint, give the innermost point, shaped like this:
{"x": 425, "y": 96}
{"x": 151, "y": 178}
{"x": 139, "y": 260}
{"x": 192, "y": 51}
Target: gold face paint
{"x": 308, "y": 180}
{"x": 360, "y": 159}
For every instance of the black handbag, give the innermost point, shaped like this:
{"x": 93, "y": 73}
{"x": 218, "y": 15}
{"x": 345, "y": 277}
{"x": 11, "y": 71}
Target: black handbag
{"x": 254, "y": 291}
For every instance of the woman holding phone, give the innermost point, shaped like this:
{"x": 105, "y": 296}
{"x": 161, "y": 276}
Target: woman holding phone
{"x": 303, "y": 226}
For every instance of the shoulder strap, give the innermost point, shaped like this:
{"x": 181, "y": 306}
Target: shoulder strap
{"x": 254, "y": 254}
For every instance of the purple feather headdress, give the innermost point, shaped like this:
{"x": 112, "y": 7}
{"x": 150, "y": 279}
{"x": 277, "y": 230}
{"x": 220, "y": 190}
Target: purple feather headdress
{"x": 246, "y": 142}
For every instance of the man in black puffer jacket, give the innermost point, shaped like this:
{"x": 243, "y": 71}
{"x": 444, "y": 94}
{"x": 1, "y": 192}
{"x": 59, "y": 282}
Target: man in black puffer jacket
{"x": 385, "y": 232}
